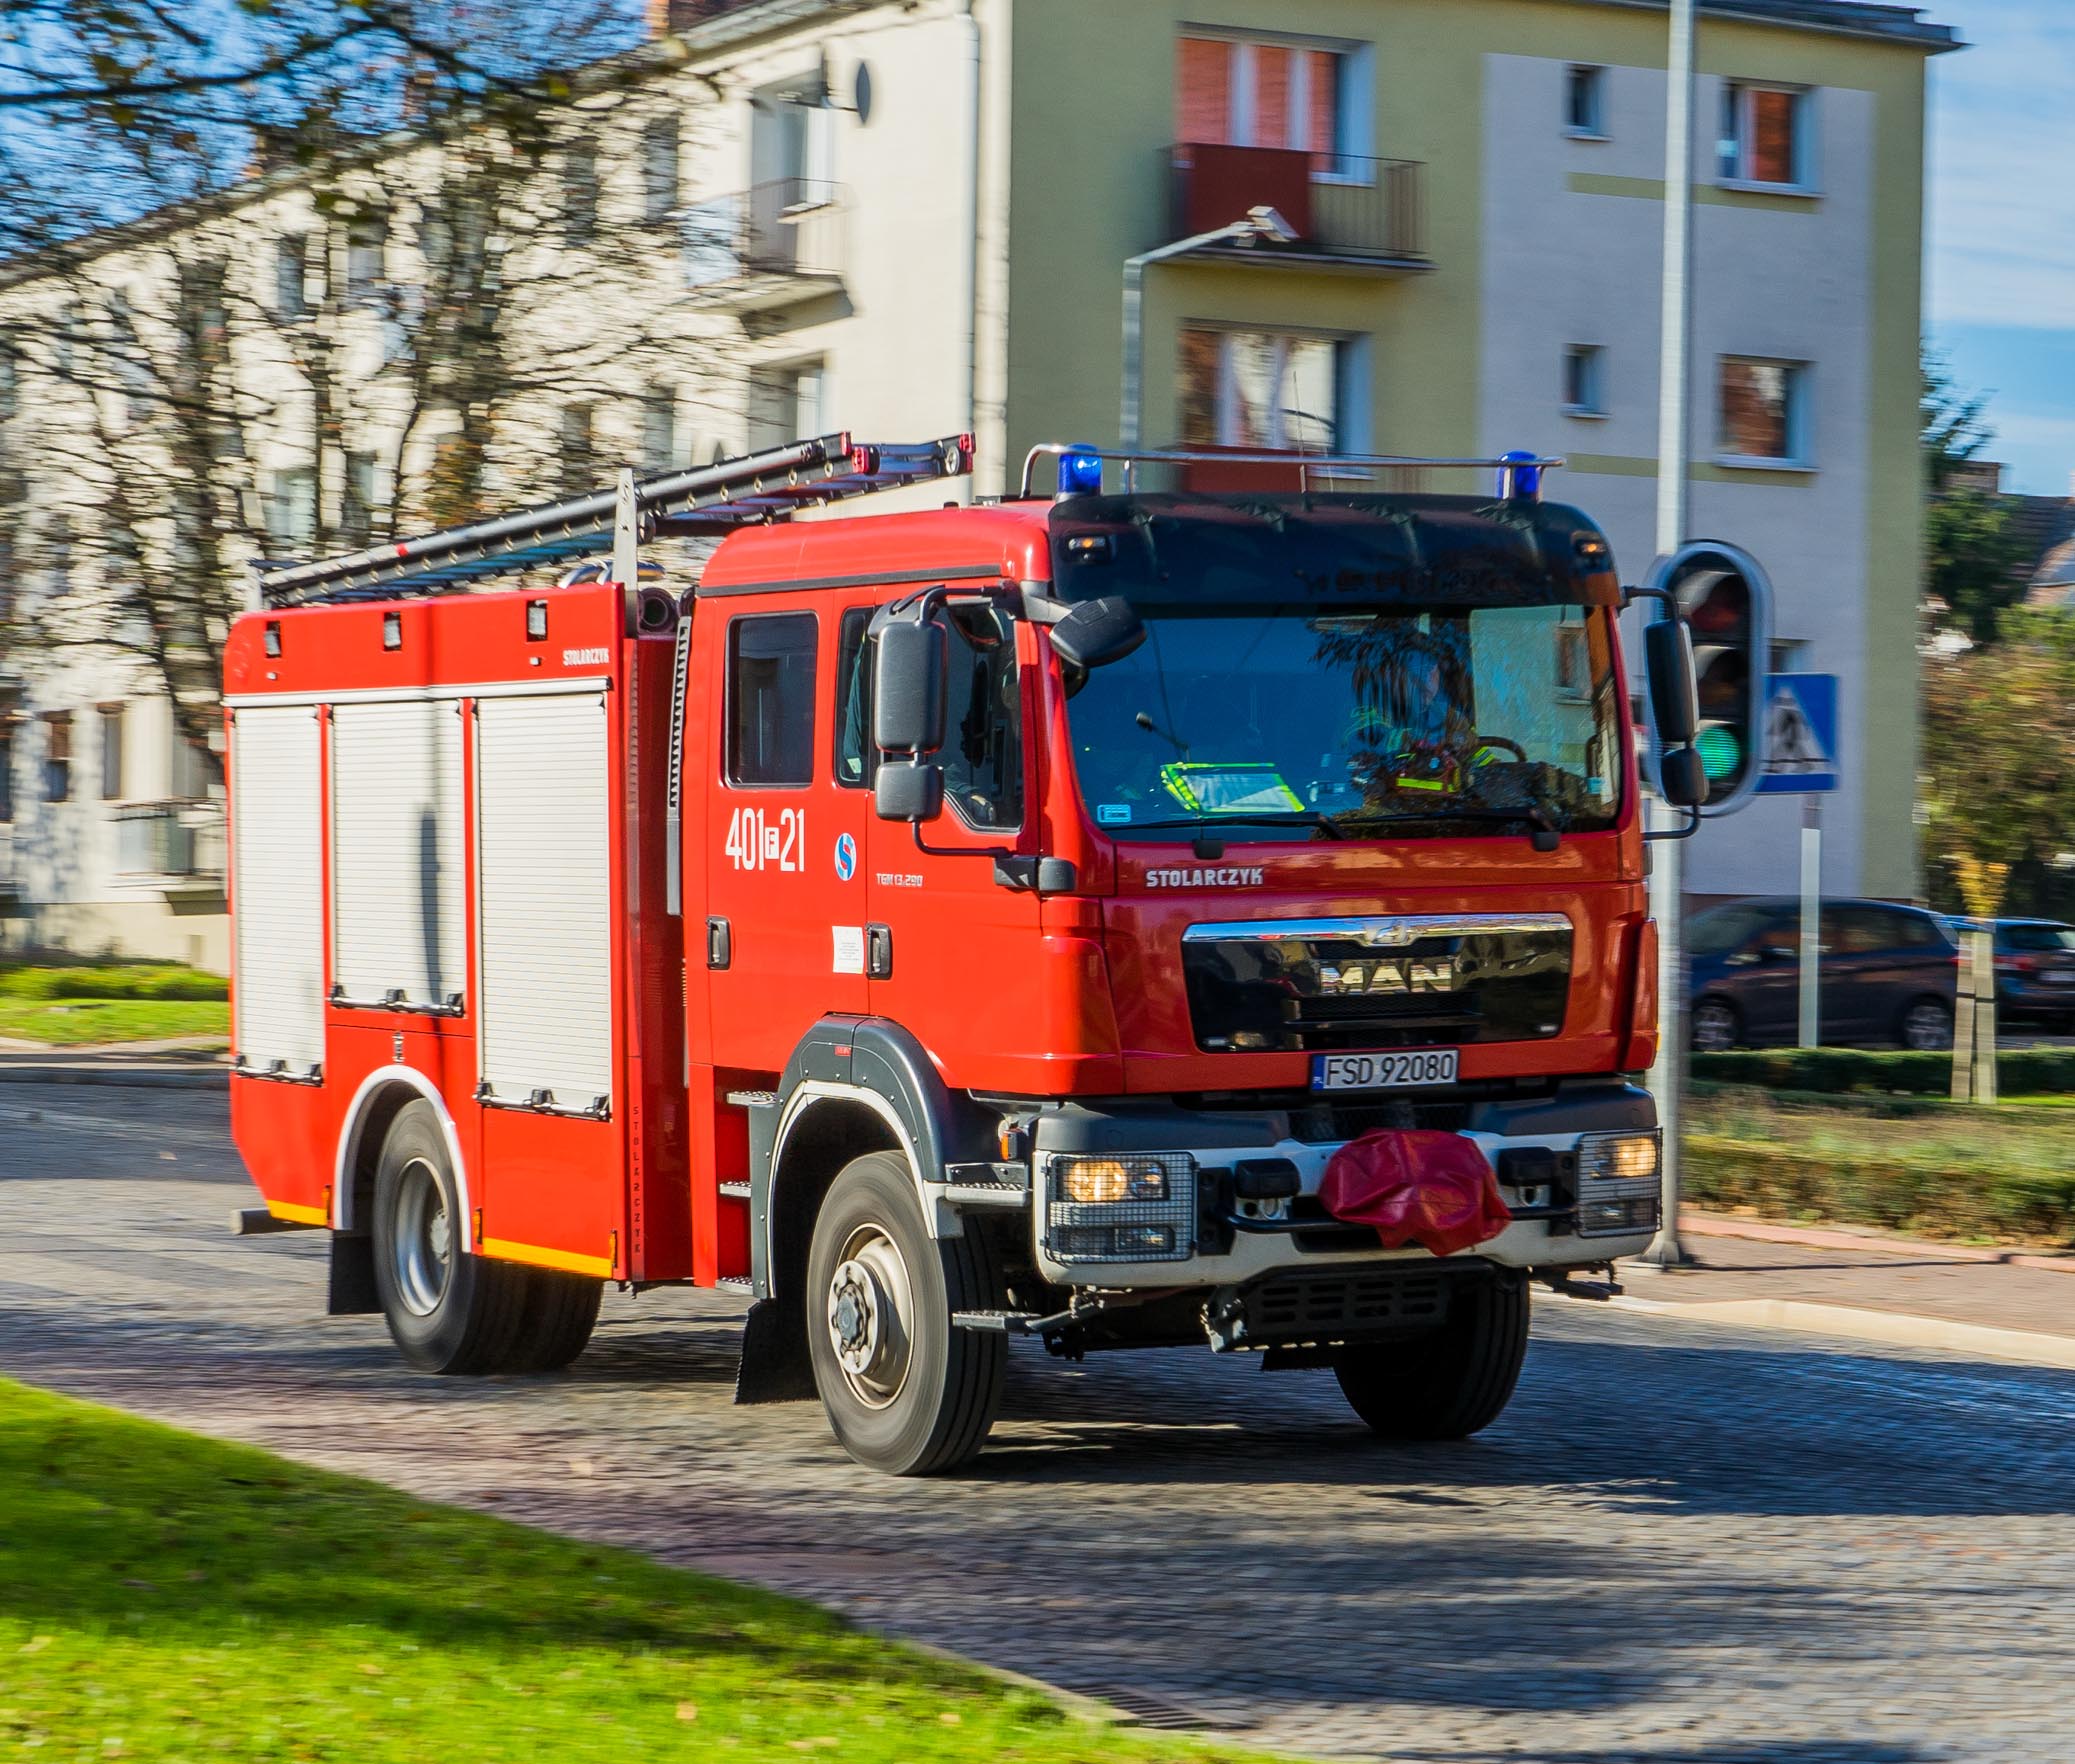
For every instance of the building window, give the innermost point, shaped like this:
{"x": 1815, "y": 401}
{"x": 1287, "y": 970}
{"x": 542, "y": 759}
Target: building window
{"x": 111, "y": 752}
{"x": 357, "y": 500}
{"x": 10, "y": 386}
{"x": 57, "y": 756}
{"x": 792, "y": 143}
{"x": 1260, "y": 389}
{"x": 1765, "y": 135}
{"x": 659, "y": 431}
{"x": 191, "y": 771}
{"x": 579, "y": 193}
{"x": 292, "y": 508}
{"x": 367, "y": 240}
{"x": 57, "y": 547}
{"x": 659, "y": 169}
{"x": 1583, "y": 90}
{"x": 1251, "y": 92}
{"x": 577, "y": 444}
{"x": 1764, "y": 409}
{"x": 786, "y": 404}
{"x": 771, "y": 700}
{"x": 7, "y": 727}
{"x": 1583, "y": 392}
{"x": 292, "y": 276}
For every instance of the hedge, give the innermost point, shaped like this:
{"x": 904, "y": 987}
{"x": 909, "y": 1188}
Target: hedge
{"x": 2032, "y": 1071}
{"x": 1783, "y": 1182}
{"x": 110, "y": 980}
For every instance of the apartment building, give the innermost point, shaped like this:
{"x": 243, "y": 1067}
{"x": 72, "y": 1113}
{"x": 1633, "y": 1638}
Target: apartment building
{"x": 917, "y": 216}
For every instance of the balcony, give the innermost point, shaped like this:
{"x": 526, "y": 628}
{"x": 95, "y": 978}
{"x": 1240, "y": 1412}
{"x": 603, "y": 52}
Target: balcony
{"x": 1348, "y": 213}
{"x": 178, "y": 846}
{"x": 773, "y": 245}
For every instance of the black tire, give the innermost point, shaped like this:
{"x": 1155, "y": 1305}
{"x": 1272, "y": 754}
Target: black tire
{"x": 561, "y": 1312}
{"x": 919, "y": 1395}
{"x": 1714, "y": 1025}
{"x": 1451, "y": 1382}
{"x": 449, "y": 1312}
{"x": 1925, "y": 1025}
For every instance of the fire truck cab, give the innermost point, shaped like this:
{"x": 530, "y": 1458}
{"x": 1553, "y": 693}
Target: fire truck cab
{"x": 949, "y": 925}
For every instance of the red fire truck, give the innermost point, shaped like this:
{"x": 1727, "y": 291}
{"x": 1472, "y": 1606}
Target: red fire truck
{"x": 948, "y": 925}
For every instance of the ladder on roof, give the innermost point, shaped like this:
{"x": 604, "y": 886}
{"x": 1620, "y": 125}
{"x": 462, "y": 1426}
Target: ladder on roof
{"x": 754, "y": 490}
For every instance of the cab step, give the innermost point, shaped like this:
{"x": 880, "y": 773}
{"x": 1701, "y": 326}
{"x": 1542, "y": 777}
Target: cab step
{"x": 735, "y": 1190}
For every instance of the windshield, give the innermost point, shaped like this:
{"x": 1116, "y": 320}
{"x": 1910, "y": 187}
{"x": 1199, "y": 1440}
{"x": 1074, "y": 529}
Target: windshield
{"x": 1288, "y": 723}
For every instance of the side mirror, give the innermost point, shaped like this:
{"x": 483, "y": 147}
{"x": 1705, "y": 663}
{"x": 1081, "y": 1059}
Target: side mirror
{"x": 908, "y": 790}
{"x": 908, "y": 687}
{"x": 1681, "y": 780}
{"x": 1674, "y": 687}
{"x": 1098, "y": 632}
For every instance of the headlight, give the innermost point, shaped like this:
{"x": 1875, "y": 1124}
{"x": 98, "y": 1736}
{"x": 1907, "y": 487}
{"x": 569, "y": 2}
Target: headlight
{"x": 1133, "y": 1207}
{"x": 1617, "y": 1184}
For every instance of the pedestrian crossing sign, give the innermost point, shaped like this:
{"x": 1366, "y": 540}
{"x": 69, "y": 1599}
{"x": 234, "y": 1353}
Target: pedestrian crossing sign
{"x": 1800, "y": 734}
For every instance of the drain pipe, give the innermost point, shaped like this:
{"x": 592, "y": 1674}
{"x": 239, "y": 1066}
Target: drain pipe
{"x": 1261, "y": 224}
{"x": 971, "y": 290}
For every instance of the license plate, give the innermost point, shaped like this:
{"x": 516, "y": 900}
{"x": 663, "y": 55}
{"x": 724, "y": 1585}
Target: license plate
{"x": 1383, "y": 1071}
{"x": 2059, "y": 976}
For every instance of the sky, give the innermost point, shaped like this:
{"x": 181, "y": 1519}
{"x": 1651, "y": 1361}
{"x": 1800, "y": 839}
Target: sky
{"x": 2000, "y": 281}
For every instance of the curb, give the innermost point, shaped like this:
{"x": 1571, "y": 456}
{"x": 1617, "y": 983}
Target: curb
{"x": 200, "y": 1077}
{"x": 1876, "y": 1243}
{"x": 1847, "y": 1322}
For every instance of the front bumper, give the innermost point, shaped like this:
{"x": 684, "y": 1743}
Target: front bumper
{"x": 1230, "y": 1244}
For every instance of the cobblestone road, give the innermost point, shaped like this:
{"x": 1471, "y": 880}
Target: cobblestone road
{"x": 1683, "y": 1544}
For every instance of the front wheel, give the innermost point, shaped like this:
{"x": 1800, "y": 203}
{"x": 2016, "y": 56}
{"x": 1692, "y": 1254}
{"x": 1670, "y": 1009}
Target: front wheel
{"x": 1452, "y": 1381}
{"x": 1926, "y": 1026}
{"x": 905, "y": 1391}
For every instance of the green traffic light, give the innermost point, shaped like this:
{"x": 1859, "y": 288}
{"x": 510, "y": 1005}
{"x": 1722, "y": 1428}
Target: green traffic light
{"x": 1721, "y": 753}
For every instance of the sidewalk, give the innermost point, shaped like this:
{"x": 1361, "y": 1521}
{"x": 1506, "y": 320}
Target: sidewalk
{"x": 1868, "y": 1288}
{"x": 192, "y": 1061}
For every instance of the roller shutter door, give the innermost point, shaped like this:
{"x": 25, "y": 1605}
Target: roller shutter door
{"x": 397, "y": 870}
{"x": 544, "y": 904}
{"x": 277, "y": 882}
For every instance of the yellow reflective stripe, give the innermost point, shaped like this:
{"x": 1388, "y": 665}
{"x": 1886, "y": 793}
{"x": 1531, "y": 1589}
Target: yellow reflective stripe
{"x": 567, "y": 1260}
{"x": 298, "y": 1215}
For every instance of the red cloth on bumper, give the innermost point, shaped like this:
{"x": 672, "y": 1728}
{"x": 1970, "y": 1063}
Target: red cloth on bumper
{"x": 1416, "y": 1187}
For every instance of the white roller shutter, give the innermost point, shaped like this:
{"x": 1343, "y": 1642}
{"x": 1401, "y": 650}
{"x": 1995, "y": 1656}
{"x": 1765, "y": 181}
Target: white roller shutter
{"x": 397, "y": 870}
{"x": 277, "y": 882}
{"x": 544, "y": 907}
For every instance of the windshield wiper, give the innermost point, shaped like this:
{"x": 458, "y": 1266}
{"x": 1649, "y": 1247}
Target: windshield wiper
{"x": 1207, "y": 826}
{"x": 1546, "y": 832}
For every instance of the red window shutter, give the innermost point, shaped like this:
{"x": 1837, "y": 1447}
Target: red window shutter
{"x": 1203, "y": 91}
{"x": 1272, "y": 96}
{"x": 1325, "y": 102}
{"x": 1772, "y": 152}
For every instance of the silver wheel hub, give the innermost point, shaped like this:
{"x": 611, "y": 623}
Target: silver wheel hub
{"x": 870, "y": 1302}
{"x": 423, "y": 1239}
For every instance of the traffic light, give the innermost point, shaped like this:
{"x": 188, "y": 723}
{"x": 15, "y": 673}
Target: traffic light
{"x": 1726, "y": 600}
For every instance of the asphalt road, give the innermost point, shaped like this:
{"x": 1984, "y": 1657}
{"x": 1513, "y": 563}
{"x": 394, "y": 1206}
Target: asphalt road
{"x": 1683, "y": 1544}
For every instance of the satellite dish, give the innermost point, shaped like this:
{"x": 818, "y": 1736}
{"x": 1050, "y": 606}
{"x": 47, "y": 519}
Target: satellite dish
{"x": 861, "y": 93}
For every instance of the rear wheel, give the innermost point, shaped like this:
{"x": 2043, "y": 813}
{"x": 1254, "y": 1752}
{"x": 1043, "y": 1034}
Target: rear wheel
{"x": 447, "y": 1310}
{"x": 1926, "y": 1026}
{"x": 905, "y": 1391}
{"x": 1715, "y": 1026}
{"x": 1451, "y": 1382}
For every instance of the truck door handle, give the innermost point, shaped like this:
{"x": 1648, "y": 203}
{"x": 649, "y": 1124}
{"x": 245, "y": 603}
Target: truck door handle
{"x": 878, "y": 952}
{"x": 719, "y": 944}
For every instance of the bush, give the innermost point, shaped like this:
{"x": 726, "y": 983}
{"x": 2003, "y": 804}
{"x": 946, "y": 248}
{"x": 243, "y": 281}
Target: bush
{"x": 1833, "y": 1071}
{"x": 111, "y": 980}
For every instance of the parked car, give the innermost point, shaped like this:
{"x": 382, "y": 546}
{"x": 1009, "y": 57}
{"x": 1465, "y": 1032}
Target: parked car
{"x": 1887, "y": 974}
{"x": 2035, "y": 970}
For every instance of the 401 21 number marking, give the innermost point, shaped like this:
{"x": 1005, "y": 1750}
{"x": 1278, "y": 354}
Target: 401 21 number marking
{"x": 757, "y": 841}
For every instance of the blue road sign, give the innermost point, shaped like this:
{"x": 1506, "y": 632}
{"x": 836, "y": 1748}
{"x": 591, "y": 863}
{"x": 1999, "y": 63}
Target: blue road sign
{"x": 1800, "y": 734}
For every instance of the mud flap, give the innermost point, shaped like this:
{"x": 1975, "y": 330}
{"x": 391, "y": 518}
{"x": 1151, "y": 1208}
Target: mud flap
{"x": 774, "y": 1367}
{"x": 353, "y": 1291}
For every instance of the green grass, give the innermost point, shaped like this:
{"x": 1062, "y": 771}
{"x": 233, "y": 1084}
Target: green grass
{"x": 109, "y": 980}
{"x": 1917, "y": 1164}
{"x": 168, "y": 1597}
{"x": 75, "y": 1022}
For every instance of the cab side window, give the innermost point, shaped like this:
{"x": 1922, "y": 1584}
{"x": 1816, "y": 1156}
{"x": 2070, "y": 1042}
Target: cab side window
{"x": 983, "y": 743}
{"x": 770, "y": 713}
{"x": 854, "y": 750}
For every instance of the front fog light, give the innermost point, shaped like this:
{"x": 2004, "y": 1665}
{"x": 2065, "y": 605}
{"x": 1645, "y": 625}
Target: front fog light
{"x": 1131, "y": 1207}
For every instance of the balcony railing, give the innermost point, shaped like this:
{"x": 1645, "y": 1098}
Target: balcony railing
{"x": 788, "y": 227}
{"x": 170, "y": 841}
{"x": 1339, "y": 205}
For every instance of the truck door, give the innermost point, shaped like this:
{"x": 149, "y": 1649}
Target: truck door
{"x": 784, "y": 934}
{"x": 956, "y": 955}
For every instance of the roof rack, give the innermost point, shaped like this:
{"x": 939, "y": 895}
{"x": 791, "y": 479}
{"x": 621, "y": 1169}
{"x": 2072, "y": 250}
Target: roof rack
{"x": 1331, "y": 465}
{"x": 754, "y": 490}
